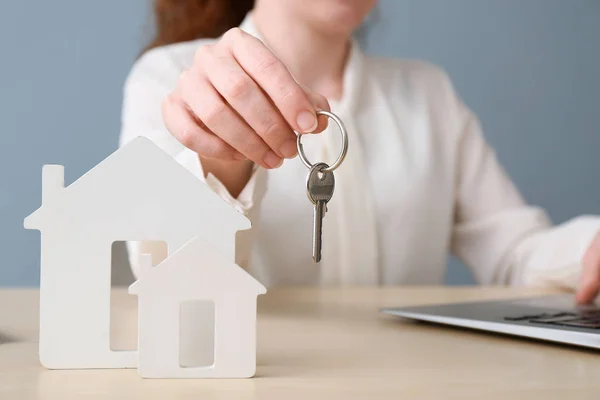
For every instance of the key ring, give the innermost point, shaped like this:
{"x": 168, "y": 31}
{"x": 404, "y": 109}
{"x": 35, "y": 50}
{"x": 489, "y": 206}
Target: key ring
{"x": 342, "y": 155}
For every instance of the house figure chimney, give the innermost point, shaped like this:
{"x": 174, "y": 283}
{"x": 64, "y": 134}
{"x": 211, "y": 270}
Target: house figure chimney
{"x": 53, "y": 180}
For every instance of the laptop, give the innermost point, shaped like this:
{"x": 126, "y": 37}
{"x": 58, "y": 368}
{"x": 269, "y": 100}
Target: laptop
{"x": 552, "y": 318}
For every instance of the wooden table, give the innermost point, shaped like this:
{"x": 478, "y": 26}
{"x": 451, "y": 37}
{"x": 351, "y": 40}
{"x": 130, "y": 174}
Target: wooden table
{"x": 322, "y": 343}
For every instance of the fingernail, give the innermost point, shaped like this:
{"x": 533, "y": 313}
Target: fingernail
{"x": 273, "y": 160}
{"x": 288, "y": 149}
{"x": 307, "y": 121}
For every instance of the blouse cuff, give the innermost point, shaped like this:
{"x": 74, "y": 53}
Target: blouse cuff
{"x": 246, "y": 199}
{"x": 569, "y": 245}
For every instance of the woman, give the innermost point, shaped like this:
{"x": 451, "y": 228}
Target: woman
{"x": 419, "y": 179}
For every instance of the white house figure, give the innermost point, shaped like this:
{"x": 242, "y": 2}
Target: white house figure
{"x": 137, "y": 193}
{"x": 196, "y": 273}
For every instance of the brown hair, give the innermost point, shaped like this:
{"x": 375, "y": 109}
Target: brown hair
{"x": 183, "y": 20}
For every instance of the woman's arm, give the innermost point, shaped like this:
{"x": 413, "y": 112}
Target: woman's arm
{"x": 499, "y": 235}
{"x": 150, "y": 81}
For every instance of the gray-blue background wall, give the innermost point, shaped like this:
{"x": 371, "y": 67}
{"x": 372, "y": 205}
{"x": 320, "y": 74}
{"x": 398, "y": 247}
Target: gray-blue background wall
{"x": 529, "y": 69}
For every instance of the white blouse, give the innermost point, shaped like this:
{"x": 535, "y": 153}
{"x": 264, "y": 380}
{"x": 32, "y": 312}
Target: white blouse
{"x": 419, "y": 181}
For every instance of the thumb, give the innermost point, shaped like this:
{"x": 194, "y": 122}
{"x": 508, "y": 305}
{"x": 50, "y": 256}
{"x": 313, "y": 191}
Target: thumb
{"x": 320, "y": 103}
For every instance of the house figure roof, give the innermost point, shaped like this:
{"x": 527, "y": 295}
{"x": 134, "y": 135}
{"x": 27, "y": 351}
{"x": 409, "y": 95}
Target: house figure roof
{"x": 121, "y": 184}
{"x": 196, "y": 269}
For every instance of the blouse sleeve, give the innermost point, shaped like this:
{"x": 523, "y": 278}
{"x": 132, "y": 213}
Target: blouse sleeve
{"x": 151, "y": 79}
{"x": 504, "y": 240}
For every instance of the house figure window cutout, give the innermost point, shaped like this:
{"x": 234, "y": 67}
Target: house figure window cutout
{"x": 138, "y": 193}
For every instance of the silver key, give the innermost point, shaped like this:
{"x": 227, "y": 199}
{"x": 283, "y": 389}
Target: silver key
{"x": 319, "y": 187}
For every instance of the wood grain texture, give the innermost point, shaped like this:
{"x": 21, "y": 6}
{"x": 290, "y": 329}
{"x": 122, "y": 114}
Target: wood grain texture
{"x": 322, "y": 343}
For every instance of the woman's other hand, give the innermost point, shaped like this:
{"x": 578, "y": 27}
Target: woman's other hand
{"x": 238, "y": 101}
{"x": 590, "y": 278}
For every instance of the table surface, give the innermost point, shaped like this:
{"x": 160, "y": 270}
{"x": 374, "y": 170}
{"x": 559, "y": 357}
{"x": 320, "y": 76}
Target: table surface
{"x": 321, "y": 343}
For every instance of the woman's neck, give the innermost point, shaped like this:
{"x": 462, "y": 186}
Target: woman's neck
{"x": 315, "y": 59}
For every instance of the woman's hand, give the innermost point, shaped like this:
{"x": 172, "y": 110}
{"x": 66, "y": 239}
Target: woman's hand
{"x": 238, "y": 101}
{"x": 590, "y": 277}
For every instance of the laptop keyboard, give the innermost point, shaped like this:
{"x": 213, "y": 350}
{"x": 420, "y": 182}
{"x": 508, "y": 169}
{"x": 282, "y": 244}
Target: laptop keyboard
{"x": 589, "y": 319}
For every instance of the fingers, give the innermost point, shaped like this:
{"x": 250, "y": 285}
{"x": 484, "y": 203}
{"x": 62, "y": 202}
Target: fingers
{"x": 188, "y": 131}
{"x": 239, "y": 100}
{"x": 274, "y": 78}
{"x": 219, "y": 118}
{"x": 250, "y": 102}
{"x": 587, "y": 292}
{"x": 590, "y": 277}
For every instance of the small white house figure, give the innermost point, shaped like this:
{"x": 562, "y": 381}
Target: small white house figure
{"x": 138, "y": 193}
{"x": 196, "y": 273}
